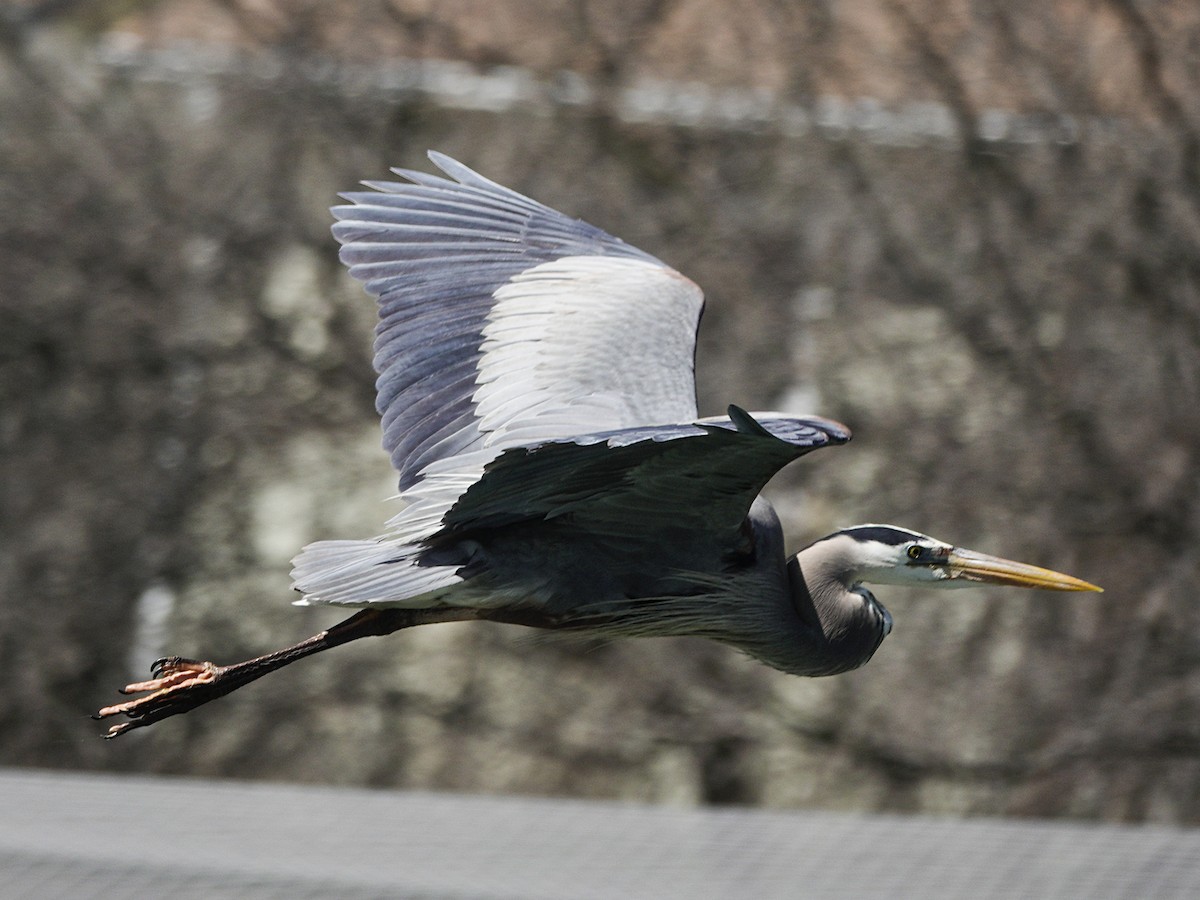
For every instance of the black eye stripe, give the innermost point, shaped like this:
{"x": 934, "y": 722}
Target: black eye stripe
{"x": 882, "y": 534}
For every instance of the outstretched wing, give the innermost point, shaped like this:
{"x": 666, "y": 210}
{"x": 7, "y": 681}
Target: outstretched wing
{"x": 695, "y": 481}
{"x": 504, "y": 322}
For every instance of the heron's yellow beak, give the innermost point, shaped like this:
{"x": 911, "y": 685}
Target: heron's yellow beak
{"x": 979, "y": 567}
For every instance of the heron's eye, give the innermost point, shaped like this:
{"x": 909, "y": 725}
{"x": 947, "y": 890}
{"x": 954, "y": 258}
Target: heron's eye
{"x": 914, "y": 552}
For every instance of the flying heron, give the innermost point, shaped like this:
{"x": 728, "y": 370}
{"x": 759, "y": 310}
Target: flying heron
{"x": 538, "y": 402}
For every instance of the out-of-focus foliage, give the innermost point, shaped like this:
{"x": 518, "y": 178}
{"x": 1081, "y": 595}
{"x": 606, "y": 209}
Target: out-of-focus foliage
{"x": 970, "y": 231}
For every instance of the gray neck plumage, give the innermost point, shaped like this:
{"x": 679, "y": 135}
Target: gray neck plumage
{"x": 819, "y": 622}
{"x": 844, "y": 622}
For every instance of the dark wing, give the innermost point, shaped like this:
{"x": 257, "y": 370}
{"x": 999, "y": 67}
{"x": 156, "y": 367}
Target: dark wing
{"x": 675, "y": 491}
{"x": 504, "y": 322}
{"x": 695, "y": 480}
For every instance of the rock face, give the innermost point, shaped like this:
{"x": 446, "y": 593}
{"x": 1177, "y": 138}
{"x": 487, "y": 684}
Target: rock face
{"x": 1005, "y": 308}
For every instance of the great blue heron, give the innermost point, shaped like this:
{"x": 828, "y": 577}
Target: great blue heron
{"x": 537, "y": 394}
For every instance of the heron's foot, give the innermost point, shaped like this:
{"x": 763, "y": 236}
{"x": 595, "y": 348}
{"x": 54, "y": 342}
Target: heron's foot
{"x": 178, "y": 685}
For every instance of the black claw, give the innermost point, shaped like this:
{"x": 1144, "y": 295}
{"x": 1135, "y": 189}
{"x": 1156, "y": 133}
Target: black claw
{"x": 159, "y": 666}
{"x": 118, "y": 730}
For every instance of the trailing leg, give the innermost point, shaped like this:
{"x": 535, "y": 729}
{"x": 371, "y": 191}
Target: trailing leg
{"x": 180, "y": 685}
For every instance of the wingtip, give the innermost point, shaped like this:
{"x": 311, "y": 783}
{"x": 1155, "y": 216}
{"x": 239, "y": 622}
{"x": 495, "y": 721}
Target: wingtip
{"x": 838, "y": 433}
{"x": 835, "y": 432}
{"x": 452, "y": 167}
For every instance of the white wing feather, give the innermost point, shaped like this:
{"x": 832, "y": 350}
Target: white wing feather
{"x": 586, "y": 344}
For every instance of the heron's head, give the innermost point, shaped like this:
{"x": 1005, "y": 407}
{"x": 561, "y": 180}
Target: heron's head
{"x": 887, "y": 554}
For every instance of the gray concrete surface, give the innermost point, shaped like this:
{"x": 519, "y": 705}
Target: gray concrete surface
{"x": 75, "y": 835}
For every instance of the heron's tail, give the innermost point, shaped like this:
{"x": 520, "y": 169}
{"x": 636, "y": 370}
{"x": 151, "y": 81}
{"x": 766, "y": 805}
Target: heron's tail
{"x": 369, "y": 573}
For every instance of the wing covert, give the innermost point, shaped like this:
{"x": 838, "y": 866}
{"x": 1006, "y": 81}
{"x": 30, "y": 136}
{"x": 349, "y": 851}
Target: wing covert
{"x": 697, "y": 479}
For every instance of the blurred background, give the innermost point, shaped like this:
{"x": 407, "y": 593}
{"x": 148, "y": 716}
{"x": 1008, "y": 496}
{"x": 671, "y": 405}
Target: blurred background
{"x": 969, "y": 230}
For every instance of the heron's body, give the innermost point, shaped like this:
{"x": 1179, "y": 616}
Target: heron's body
{"x": 538, "y": 402}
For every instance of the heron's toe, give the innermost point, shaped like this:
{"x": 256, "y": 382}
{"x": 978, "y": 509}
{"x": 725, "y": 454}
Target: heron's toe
{"x": 177, "y": 687}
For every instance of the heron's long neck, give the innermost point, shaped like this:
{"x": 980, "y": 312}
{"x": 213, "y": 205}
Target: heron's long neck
{"x": 839, "y": 630}
{"x": 806, "y": 620}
